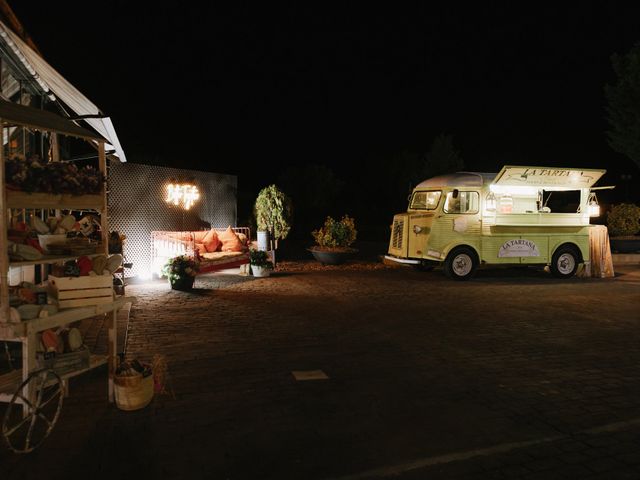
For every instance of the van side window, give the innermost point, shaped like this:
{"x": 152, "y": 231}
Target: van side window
{"x": 467, "y": 202}
{"x": 425, "y": 200}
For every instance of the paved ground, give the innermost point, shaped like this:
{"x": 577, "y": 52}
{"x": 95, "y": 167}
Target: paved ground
{"x": 511, "y": 375}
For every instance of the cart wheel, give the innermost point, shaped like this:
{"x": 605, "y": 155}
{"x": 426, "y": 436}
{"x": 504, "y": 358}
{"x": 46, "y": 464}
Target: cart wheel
{"x": 23, "y": 433}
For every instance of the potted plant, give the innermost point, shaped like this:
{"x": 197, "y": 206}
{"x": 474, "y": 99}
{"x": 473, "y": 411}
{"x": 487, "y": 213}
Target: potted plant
{"x": 273, "y": 215}
{"x": 624, "y": 224}
{"x": 334, "y": 240}
{"x": 181, "y": 272}
{"x": 260, "y": 264}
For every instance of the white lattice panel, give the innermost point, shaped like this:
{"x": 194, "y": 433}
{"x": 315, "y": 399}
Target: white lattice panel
{"x": 137, "y": 206}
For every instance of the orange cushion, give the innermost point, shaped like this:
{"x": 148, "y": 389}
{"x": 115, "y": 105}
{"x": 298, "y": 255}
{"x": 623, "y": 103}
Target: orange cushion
{"x": 200, "y": 248}
{"x": 230, "y": 241}
{"x": 199, "y": 236}
{"x": 211, "y": 241}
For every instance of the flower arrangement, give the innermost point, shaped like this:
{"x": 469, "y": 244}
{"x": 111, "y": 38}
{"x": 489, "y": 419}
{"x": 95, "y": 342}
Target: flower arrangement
{"x": 336, "y": 235}
{"x": 260, "y": 258}
{"x": 180, "y": 268}
{"x": 34, "y": 175}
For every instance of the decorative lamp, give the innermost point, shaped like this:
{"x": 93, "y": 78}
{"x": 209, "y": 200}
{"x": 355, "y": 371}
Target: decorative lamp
{"x": 490, "y": 202}
{"x": 593, "y": 208}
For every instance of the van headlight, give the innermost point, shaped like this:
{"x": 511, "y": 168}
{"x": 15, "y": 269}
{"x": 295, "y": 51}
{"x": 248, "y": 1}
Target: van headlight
{"x": 417, "y": 229}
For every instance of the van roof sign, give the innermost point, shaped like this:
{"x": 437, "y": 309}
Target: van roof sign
{"x": 569, "y": 178}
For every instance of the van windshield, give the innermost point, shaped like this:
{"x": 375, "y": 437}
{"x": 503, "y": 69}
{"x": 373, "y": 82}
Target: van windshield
{"x": 425, "y": 200}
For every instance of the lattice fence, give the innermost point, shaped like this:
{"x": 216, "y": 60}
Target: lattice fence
{"x": 137, "y": 206}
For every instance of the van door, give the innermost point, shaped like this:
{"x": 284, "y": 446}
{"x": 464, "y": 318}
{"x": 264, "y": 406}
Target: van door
{"x": 459, "y": 222}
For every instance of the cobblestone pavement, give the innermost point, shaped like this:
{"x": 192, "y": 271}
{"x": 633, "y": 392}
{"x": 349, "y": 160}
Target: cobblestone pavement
{"x": 512, "y": 375}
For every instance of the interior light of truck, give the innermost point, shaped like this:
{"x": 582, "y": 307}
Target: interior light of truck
{"x": 513, "y": 189}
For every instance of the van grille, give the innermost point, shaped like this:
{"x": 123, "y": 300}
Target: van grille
{"x": 398, "y": 229}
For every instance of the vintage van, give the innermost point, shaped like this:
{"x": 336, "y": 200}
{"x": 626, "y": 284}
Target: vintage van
{"x": 466, "y": 219}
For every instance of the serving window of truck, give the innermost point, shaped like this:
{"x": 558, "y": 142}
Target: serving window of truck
{"x": 464, "y": 219}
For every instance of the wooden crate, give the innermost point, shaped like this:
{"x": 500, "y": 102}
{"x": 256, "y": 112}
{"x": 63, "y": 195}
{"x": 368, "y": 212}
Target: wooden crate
{"x": 65, "y": 363}
{"x": 81, "y": 291}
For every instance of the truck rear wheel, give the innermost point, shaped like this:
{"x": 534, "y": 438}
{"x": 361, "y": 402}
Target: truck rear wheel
{"x": 461, "y": 264}
{"x": 564, "y": 262}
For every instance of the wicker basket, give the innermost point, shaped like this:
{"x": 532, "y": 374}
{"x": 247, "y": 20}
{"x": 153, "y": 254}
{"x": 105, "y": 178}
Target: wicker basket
{"x": 133, "y": 392}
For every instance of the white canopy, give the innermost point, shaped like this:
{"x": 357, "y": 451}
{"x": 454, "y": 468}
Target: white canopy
{"x": 56, "y": 85}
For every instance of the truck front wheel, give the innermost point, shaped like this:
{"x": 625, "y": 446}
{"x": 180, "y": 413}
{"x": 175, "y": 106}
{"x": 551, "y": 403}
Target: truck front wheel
{"x": 564, "y": 262}
{"x": 461, "y": 264}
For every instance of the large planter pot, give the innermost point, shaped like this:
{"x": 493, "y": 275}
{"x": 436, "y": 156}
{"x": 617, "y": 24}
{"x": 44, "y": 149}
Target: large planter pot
{"x": 628, "y": 244}
{"x": 263, "y": 240}
{"x": 260, "y": 271}
{"x": 183, "y": 284}
{"x": 333, "y": 257}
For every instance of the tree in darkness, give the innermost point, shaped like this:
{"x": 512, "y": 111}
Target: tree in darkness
{"x": 623, "y": 105}
{"x": 442, "y": 157}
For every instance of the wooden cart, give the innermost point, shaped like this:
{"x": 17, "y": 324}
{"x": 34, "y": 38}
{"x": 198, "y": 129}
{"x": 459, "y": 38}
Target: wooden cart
{"x": 34, "y": 394}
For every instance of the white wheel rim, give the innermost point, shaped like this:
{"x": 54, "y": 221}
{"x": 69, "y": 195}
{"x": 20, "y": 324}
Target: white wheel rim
{"x": 43, "y": 380}
{"x": 566, "y": 263}
{"x": 462, "y": 264}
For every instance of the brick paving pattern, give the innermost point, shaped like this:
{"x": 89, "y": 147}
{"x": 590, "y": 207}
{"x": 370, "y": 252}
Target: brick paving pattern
{"x": 428, "y": 378}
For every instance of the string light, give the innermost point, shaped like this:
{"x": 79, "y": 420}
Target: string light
{"x": 184, "y": 195}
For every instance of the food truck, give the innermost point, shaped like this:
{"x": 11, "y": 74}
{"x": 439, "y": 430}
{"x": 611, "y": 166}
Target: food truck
{"x": 465, "y": 219}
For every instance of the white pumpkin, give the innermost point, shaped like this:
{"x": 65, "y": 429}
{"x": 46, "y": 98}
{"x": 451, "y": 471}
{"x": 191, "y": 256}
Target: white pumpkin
{"x": 39, "y": 226}
{"x": 67, "y": 222}
{"x": 114, "y": 262}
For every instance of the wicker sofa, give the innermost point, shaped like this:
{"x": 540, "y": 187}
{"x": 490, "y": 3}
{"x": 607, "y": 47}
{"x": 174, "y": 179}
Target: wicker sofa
{"x": 168, "y": 244}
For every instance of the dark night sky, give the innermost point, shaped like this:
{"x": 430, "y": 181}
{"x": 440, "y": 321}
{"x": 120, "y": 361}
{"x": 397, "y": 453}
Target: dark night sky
{"x": 235, "y": 88}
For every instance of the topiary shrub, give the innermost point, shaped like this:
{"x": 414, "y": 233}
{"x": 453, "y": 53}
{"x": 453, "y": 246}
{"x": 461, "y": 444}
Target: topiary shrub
{"x": 624, "y": 220}
{"x": 273, "y": 213}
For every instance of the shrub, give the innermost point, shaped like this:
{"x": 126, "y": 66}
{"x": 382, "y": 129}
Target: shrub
{"x": 260, "y": 258}
{"x": 336, "y": 234}
{"x": 624, "y": 219}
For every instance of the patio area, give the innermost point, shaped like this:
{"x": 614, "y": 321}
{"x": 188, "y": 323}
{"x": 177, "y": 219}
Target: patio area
{"x": 514, "y": 374}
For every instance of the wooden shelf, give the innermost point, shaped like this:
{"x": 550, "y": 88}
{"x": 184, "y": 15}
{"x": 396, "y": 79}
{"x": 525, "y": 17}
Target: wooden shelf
{"x": 12, "y": 380}
{"x": 51, "y": 259}
{"x": 25, "y": 331}
{"x": 95, "y": 361}
{"x": 9, "y": 382}
{"x": 63, "y": 317}
{"x": 18, "y": 199}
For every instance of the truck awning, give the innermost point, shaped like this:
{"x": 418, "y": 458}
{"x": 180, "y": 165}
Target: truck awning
{"x": 567, "y": 178}
{"x": 56, "y": 85}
